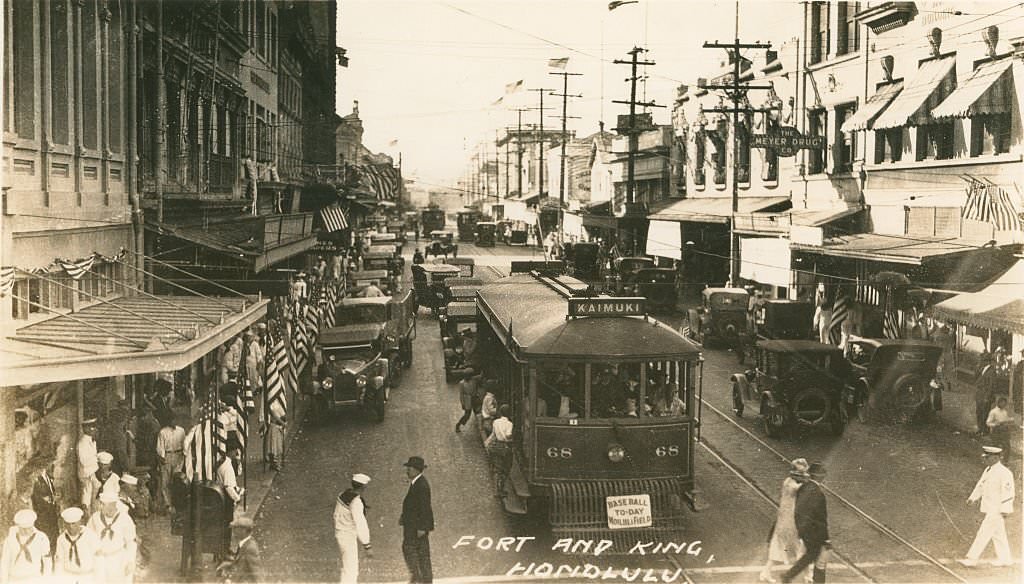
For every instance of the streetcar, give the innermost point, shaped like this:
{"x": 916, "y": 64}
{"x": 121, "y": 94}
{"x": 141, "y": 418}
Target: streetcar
{"x": 432, "y": 219}
{"x": 603, "y": 399}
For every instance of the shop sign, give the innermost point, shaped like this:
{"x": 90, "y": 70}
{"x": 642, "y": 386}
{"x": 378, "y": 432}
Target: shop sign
{"x": 629, "y": 511}
{"x": 807, "y": 235}
{"x": 786, "y": 141}
{"x": 607, "y": 306}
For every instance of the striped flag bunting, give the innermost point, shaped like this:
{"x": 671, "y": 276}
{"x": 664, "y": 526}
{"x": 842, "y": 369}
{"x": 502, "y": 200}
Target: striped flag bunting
{"x": 274, "y": 384}
{"x": 312, "y": 326}
{"x": 237, "y": 410}
{"x": 992, "y": 204}
{"x": 78, "y": 268}
{"x": 333, "y": 218}
{"x": 6, "y": 281}
{"x": 890, "y": 319}
{"x": 205, "y": 443}
{"x": 840, "y": 312}
{"x": 383, "y": 179}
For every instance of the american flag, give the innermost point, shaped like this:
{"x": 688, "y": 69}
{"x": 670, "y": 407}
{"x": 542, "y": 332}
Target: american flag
{"x": 890, "y": 319}
{"x": 205, "y": 443}
{"x": 6, "y": 281}
{"x": 77, "y": 268}
{"x": 840, "y": 312}
{"x": 276, "y": 401}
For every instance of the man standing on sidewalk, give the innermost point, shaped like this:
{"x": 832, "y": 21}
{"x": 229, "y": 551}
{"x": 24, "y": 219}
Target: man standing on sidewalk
{"x": 170, "y": 445}
{"x": 995, "y": 490}
{"x": 350, "y": 528}
{"x": 417, "y": 522}
{"x": 87, "y": 463}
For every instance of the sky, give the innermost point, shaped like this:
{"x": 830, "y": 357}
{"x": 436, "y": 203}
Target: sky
{"x": 427, "y": 72}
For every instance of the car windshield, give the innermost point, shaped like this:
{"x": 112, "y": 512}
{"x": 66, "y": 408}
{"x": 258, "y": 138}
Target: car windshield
{"x": 348, "y": 358}
{"x": 729, "y": 301}
{"x": 360, "y": 314}
{"x": 632, "y": 265}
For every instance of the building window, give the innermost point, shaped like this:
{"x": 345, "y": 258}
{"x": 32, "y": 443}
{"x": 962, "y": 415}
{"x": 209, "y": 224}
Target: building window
{"x": 770, "y": 168}
{"x": 935, "y": 141}
{"x": 59, "y": 85}
{"x": 114, "y": 79}
{"x": 699, "y": 154}
{"x": 719, "y": 137}
{"x": 819, "y": 31}
{"x": 845, "y": 147}
{"x": 90, "y": 80}
{"x": 743, "y": 150}
{"x": 22, "y": 63}
{"x": 990, "y": 134}
{"x": 848, "y": 38}
{"x": 818, "y": 123}
{"x": 888, "y": 145}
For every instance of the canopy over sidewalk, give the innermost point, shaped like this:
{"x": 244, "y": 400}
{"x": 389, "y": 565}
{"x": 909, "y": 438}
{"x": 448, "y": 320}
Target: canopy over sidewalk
{"x": 999, "y": 306}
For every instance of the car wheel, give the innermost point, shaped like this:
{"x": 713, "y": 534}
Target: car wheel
{"x": 811, "y": 407}
{"x": 908, "y": 396}
{"x": 737, "y": 400}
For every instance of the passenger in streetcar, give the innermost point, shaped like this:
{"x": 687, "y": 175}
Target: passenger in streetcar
{"x": 668, "y": 402}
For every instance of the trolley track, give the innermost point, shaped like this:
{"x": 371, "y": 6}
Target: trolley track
{"x": 863, "y": 516}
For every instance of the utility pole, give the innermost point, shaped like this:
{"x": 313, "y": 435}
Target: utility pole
{"x": 508, "y": 161}
{"x": 519, "y": 153}
{"x": 632, "y": 131}
{"x": 737, "y": 93}
{"x": 540, "y": 161}
{"x": 497, "y": 170}
{"x": 565, "y": 138}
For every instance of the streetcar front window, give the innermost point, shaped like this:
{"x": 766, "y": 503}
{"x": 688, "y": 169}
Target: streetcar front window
{"x": 560, "y": 390}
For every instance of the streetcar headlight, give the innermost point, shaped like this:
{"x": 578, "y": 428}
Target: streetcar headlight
{"x": 361, "y": 381}
{"x": 327, "y": 383}
{"x": 616, "y": 453}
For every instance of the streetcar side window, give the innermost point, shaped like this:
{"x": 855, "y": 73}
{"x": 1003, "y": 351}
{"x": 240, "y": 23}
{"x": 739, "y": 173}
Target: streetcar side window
{"x": 668, "y": 386}
{"x": 560, "y": 390}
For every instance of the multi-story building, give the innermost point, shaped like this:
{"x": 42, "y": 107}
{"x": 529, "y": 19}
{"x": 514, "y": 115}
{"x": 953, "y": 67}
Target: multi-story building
{"x": 132, "y": 130}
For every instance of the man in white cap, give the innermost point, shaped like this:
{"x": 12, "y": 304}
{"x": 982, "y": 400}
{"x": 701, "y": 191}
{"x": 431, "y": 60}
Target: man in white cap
{"x": 996, "y": 493}
{"x": 350, "y": 528}
{"x": 75, "y": 558}
{"x": 104, "y": 479}
{"x": 87, "y": 463}
{"x": 115, "y": 558}
{"x": 25, "y": 551}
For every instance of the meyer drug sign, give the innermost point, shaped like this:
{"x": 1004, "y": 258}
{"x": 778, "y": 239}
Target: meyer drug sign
{"x": 786, "y": 141}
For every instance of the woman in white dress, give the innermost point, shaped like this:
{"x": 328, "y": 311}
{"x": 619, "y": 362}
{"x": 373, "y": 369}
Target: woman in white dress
{"x": 785, "y": 545}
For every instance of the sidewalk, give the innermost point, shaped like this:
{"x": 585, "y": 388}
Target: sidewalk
{"x": 165, "y": 548}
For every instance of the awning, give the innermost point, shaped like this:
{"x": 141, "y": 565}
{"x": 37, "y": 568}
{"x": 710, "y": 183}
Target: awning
{"x": 933, "y": 82}
{"x": 819, "y": 217}
{"x": 126, "y": 336}
{"x": 999, "y": 306}
{"x": 765, "y": 260}
{"x": 986, "y": 91}
{"x": 862, "y": 118}
{"x": 259, "y": 241}
{"x": 333, "y": 217}
{"x": 891, "y": 248}
{"x": 599, "y": 221}
{"x": 713, "y": 209}
{"x": 664, "y": 239}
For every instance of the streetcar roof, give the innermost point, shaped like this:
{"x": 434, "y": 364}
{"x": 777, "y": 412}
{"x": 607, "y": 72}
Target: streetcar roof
{"x": 540, "y": 328}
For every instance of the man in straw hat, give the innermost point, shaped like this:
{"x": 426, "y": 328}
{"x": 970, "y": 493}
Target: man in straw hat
{"x": 87, "y": 463}
{"x": 245, "y": 563}
{"x": 417, "y": 522}
{"x": 350, "y": 528}
{"x": 25, "y": 555}
{"x": 811, "y": 517}
{"x": 115, "y": 558}
{"x": 75, "y": 558}
{"x": 996, "y": 493}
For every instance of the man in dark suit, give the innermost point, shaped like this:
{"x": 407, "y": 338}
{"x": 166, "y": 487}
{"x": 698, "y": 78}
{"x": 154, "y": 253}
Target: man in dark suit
{"x": 811, "y": 516}
{"x": 417, "y": 522}
{"x": 44, "y": 503}
{"x": 245, "y": 566}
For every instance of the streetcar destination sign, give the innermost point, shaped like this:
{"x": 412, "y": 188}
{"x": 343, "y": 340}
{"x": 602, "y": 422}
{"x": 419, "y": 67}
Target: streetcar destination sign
{"x": 786, "y": 141}
{"x": 607, "y": 306}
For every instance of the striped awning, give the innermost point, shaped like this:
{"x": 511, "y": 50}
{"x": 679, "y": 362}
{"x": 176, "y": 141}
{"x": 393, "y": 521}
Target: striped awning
{"x": 998, "y": 306}
{"x": 862, "y": 118}
{"x": 992, "y": 204}
{"x": 333, "y": 217}
{"x": 935, "y": 80}
{"x": 986, "y": 91}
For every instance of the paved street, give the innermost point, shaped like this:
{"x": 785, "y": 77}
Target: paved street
{"x": 932, "y": 468}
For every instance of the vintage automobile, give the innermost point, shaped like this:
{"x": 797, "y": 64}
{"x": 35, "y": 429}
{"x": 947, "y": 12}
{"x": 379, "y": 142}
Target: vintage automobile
{"x": 467, "y": 266}
{"x": 625, "y": 270}
{"x": 455, "y": 319}
{"x": 389, "y": 240}
{"x": 442, "y": 243}
{"x": 893, "y": 379}
{"x": 432, "y": 219}
{"x": 354, "y": 372}
{"x": 428, "y": 284}
{"x": 776, "y": 319}
{"x": 461, "y": 289}
{"x": 466, "y": 221}
{"x": 358, "y": 281}
{"x": 799, "y": 385}
{"x": 397, "y": 317}
{"x": 485, "y": 233}
{"x": 721, "y": 318}
{"x": 658, "y": 286}
{"x": 583, "y": 260}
